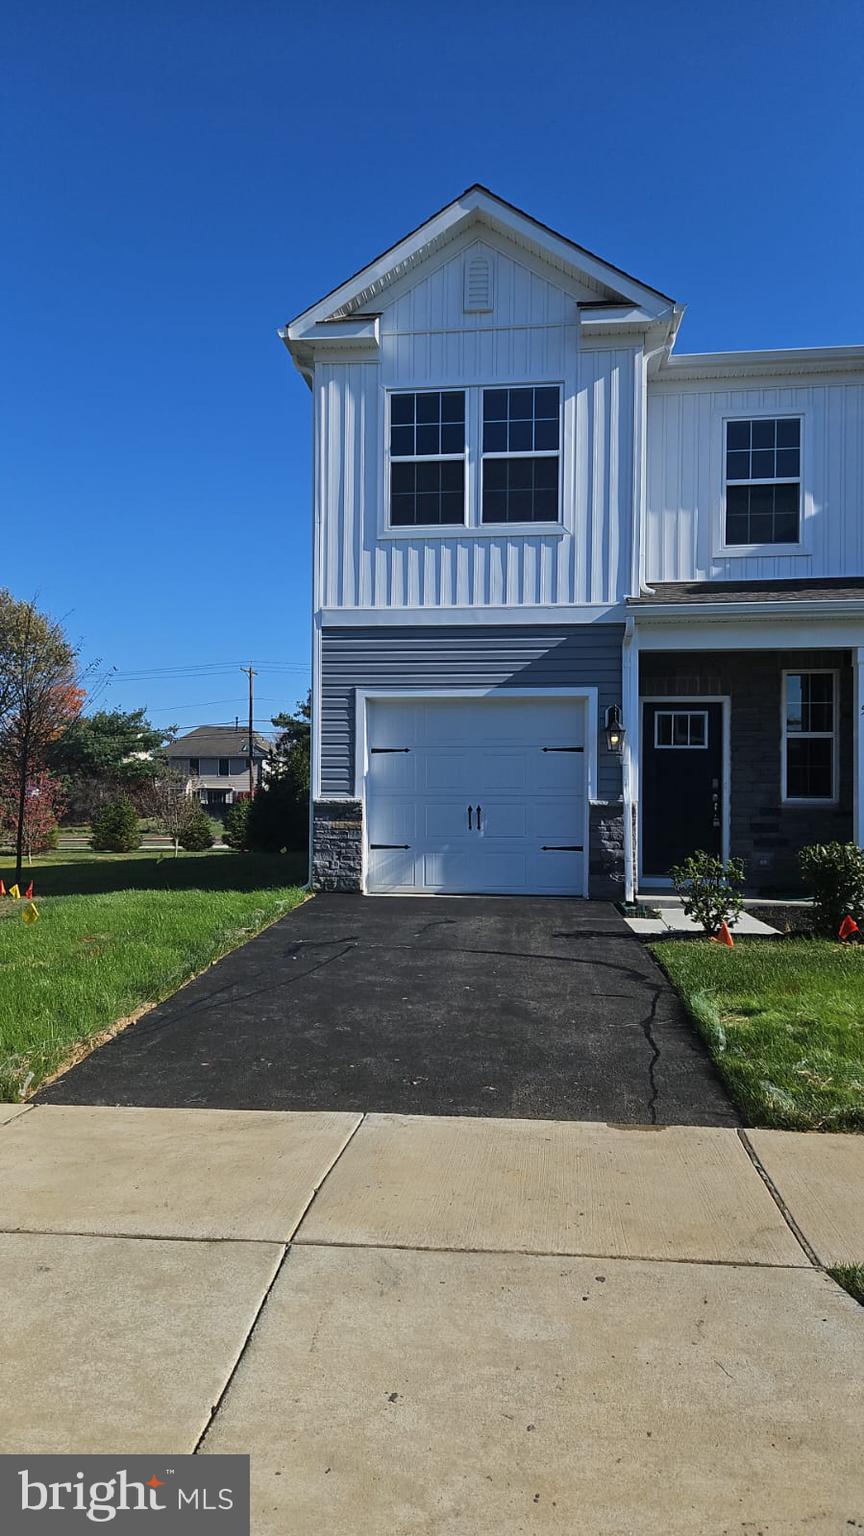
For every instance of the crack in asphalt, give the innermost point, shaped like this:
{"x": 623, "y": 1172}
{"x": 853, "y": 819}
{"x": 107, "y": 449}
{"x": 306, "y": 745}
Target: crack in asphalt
{"x": 647, "y": 1027}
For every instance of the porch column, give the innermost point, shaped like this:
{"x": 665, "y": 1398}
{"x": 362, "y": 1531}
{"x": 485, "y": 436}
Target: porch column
{"x": 858, "y": 745}
{"x": 630, "y": 764}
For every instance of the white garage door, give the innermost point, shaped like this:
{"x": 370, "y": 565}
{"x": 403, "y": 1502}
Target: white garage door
{"x": 471, "y": 795}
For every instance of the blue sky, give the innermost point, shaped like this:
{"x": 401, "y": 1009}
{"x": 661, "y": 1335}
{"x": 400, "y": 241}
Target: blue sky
{"x": 178, "y": 179}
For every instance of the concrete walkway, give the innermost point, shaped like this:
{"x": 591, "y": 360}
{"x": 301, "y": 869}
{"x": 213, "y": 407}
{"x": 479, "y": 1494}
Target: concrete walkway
{"x": 457, "y": 1326}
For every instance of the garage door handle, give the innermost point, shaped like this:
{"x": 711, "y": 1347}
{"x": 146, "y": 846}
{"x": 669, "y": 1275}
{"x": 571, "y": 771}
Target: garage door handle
{"x": 470, "y": 828}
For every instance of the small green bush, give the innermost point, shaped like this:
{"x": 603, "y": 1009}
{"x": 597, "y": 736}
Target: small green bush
{"x": 197, "y": 832}
{"x": 833, "y": 874}
{"x": 235, "y": 825}
{"x": 115, "y": 827}
{"x": 709, "y": 889}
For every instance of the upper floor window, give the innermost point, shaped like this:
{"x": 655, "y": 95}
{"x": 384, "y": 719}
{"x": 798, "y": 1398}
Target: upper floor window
{"x": 427, "y": 458}
{"x": 224, "y": 768}
{"x": 763, "y": 480}
{"x": 809, "y": 735}
{"x": 193, "y": 767}
{"x": 521, "y": 444}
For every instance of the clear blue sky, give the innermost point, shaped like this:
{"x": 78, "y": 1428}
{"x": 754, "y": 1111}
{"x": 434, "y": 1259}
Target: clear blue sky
{"x": 178, "y": 179}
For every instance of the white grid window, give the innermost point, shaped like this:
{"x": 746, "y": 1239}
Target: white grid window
{"x": 521, "y": 445}
{"x": 681, "y": 728}
{"x": 763, "y": 480}
{"x": 809, "y": 736}
{"x": 427, "y": 458}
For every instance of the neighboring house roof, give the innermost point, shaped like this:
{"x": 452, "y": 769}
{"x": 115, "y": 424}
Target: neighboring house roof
{"x": 219, "y": 741}
{"x": 805, "y": 588}
{"x": 477, "y": 205}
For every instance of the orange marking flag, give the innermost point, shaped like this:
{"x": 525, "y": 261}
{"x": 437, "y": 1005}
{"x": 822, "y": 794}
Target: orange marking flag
{"x": 847, "y": 928}
{"x": 28, "y": 894}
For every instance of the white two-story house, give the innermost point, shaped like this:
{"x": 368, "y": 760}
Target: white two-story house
{"x": 581, "y": 605}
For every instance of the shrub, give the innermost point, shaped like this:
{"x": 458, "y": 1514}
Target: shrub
{"x": 278, "y": 818}
{"x": 115, "y": 827}
{"x": 196, "y": 833}
{"x": 235, "y": 825}
{"x": 709, "y": 889}
{"x": 834, "y": 876}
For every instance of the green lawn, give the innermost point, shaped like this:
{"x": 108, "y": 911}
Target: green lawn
{"x": 117, "y": 932}
{"x": 851, "y": 1277}
{"x": 784, "y": 1021}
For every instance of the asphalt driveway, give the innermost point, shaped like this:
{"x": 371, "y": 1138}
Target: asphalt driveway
{"x": 541, "y": 1008}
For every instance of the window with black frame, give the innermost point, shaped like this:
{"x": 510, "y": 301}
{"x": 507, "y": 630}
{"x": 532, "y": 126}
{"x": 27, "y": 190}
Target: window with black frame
{"x": 763, "y": 480}
{"x": 521, "y": 447}
{"x": 427, "y": 458}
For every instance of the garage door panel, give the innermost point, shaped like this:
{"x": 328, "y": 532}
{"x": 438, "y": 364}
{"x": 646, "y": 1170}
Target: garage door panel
{"x": 392, "y": 869}
{"x": 444, "y": 818}
{"x": 393, "y": 820}
{"x": 562, "y": 818}
{"x": 556, "y": 872}
{"x": 442, "y": 769}
{"x": 501, "y": 769}
{"x": 489, "y": 752}
{"x": 557, "y": 771}
{"x": 393, "y": 770}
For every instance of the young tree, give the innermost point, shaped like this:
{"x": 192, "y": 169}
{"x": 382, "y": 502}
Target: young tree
{"x": 170, "y": 805}
{"x": 39, "y": 697}
{"x": 43, "y": 807}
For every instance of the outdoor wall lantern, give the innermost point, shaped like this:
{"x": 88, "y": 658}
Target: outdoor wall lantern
{"x": 614, "y": 729}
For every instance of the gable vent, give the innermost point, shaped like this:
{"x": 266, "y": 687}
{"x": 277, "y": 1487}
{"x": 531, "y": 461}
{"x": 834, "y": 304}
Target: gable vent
{"x": 478, "y": 282}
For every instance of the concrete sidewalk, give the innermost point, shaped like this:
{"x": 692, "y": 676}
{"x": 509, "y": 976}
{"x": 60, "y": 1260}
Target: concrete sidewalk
{"x": 460, "y": 1326}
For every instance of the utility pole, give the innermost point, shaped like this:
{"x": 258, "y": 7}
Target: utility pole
{"x": 250, "y": 673}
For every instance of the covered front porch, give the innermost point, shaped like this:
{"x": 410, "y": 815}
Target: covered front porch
{"x": 743, "y": 735}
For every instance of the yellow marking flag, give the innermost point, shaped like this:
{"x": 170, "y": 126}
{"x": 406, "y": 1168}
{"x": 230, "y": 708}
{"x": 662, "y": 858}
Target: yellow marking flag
{"x": 14, "y": 893}
{"x": 30, "y": 914}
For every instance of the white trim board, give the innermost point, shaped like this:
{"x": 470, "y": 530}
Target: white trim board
{"x": 513, "y": 618}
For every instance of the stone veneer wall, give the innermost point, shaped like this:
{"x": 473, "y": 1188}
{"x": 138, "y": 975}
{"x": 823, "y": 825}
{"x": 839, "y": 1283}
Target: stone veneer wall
{"x": 764, "y": 832}
{"x": 606, "y": 850}
{"x": 337, "y": 845}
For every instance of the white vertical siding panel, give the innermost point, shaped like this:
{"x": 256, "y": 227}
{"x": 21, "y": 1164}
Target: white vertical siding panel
{"x": 685, "y": 480}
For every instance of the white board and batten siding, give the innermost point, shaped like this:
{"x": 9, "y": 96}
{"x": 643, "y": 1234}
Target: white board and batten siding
{"x": 429, "y": 341}
{"x": 685, "y": 478}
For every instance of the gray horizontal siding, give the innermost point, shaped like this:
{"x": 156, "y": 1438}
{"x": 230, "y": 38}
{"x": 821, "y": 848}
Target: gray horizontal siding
{"x": 421, "y": 656}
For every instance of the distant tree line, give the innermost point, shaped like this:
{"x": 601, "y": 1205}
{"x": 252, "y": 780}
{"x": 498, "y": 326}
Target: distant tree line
{"x": 110, "y": 768}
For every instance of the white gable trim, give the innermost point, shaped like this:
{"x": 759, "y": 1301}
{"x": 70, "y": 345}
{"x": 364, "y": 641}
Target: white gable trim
{"x": 476, "y": 206}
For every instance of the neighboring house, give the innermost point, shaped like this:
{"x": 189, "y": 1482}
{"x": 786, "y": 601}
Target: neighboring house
{"x": 216, "y": 760}
{"x": 531, "y": 517}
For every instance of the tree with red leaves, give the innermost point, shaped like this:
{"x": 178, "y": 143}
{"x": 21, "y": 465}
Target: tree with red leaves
{"x": 44, "y": 803}
{"x": 38, "y": 697}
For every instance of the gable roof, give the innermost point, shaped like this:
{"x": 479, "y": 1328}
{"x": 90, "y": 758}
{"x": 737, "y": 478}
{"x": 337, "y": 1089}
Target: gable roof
{"x": 218, "y": 741}
{"x": 476, "y": 205}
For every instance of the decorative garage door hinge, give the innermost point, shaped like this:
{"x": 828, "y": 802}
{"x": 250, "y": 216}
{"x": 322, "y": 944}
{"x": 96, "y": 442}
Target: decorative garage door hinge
{"x": 389, "y": 749}
{"x": 389, "y": 845}
{"x": 558, "y": 848}
{"x": 562, "y": 749}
